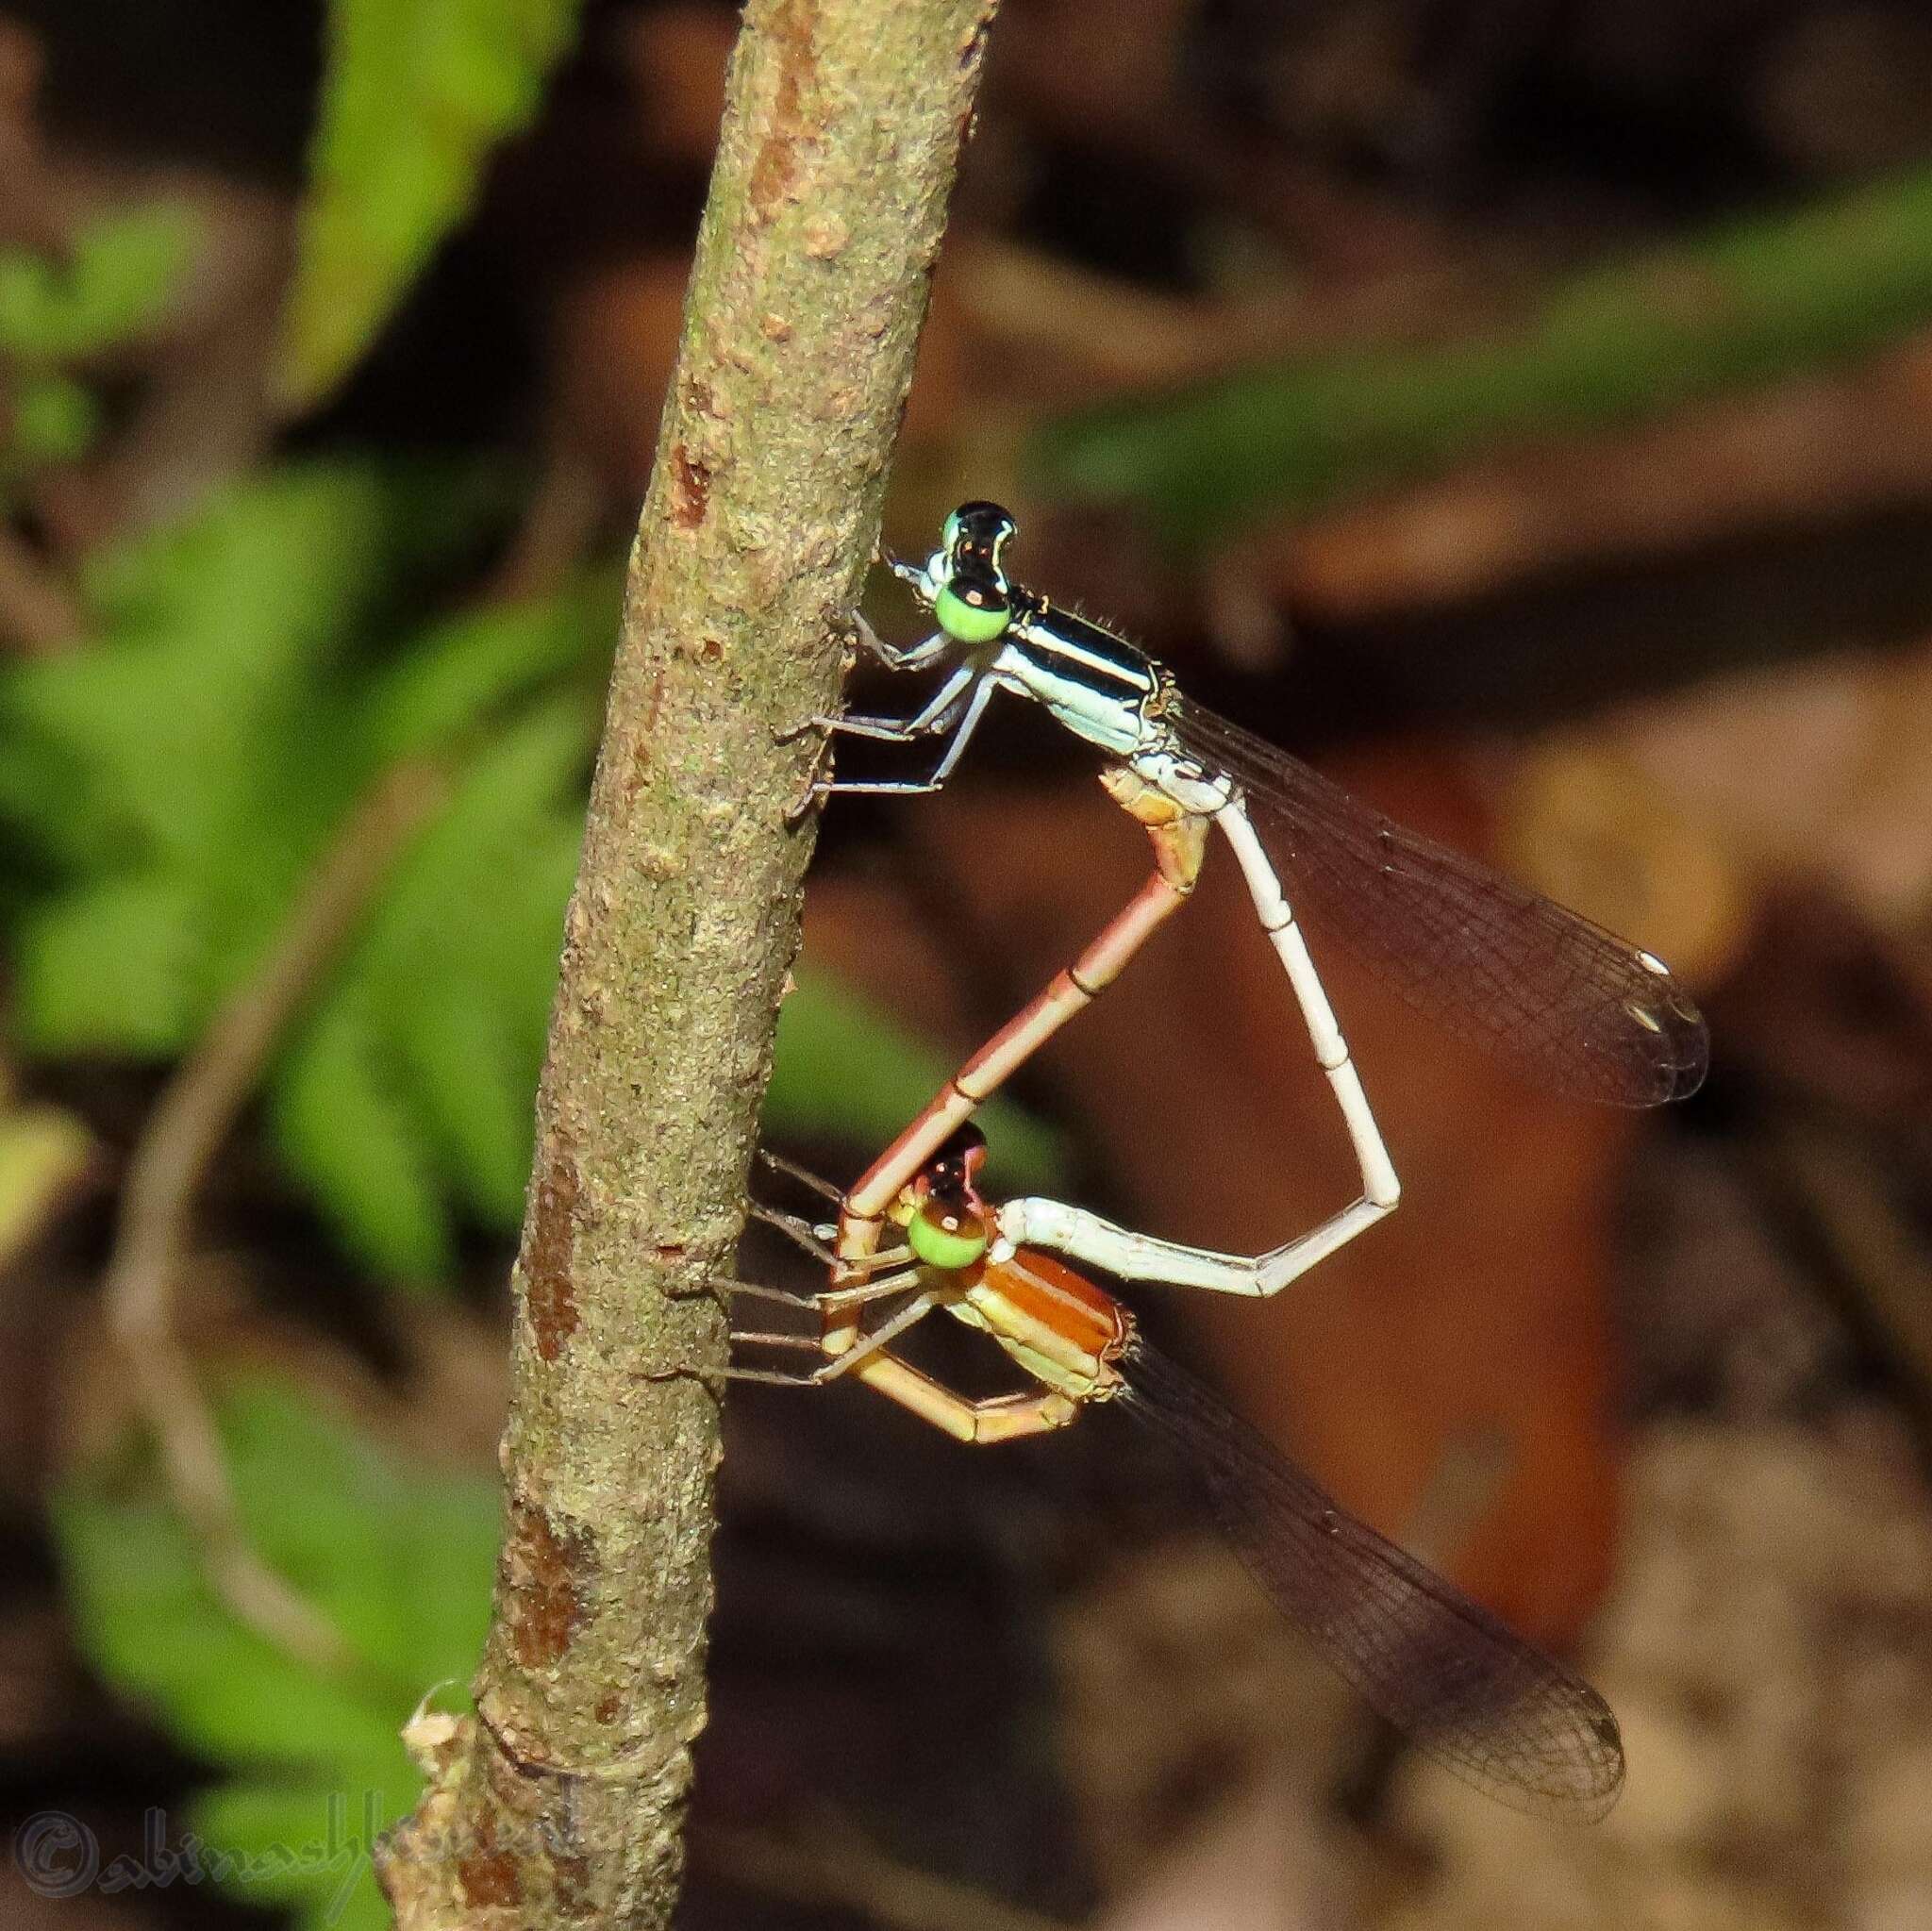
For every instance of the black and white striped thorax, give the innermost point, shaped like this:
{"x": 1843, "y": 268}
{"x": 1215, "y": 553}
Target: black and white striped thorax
{"x": 1098, "y": 685}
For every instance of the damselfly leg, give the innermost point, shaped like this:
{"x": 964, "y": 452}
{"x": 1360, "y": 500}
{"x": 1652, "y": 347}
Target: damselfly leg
{"x": 849, "y": 1343}
{"x": 867, "y": 1348}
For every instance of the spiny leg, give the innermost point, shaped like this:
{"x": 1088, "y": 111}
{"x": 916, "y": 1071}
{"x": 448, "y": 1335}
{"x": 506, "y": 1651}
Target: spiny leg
{"x": 906, "y": 657}
{"x": 911, "y": 574}
{"x": 804, "y": 1176}
{"x": 805, "y": 1235}
{"x": 936, "y": 716}
{"x": 941, "y": 712}
{"x": 935, "y": 781}
{"x": 973, "y": 1421}
{"x": 841, "y": 1363}
{"x": 837, "y": 1306}
{"x": 835, "y": 1297}
{"x": 801, "y": 1232}
{"x": 976, "y": 1421}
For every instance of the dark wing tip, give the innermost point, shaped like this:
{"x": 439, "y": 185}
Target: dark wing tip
{"x": 1576, "y": 1009}
{"x": 1486, "y": 1704}
{"x": 1607, "y": 1786}
{"x": 1558, "y": 1756}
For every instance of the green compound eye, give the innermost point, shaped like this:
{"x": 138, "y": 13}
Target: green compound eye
{"x": 948, "y": 1240}
{"x": 950, "y": 535}
{"x": 970, "y": 622}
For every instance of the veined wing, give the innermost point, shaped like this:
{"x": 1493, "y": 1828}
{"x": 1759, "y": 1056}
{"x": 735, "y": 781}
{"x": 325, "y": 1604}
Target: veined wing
{"x": 1471, "y": 1693}
{"x": 1576, "y": 1008}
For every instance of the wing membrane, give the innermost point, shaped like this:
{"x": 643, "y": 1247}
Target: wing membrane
{"x": 1574, "y": 1007}
{"x": 1471, "y": 1693}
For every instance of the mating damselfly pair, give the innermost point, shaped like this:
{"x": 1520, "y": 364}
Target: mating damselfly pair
{"x": 1570, "y": 1005}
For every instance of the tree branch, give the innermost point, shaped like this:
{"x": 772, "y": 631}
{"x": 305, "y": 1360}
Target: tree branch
{"x": 563, "y": 1800}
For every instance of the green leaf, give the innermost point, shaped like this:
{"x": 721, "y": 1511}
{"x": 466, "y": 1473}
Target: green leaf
{"x": 506, "y": 851}
{"x": 110, "y": 968}
{"x": 154, "y": 1628}
{"x": 218, "y": 644}
{"x": 349, "y": 1134}
{"x": 399, "y": 1560}
{"x": 51, "y": 420}
{"x": 418, "y": 93}
{"x": 179, "y": 781}
{"x": 43, "y": 1153}
{"x": 422, "y": 1073}
{"x": 116, "y": 278}
{"x": 180, "y": 775}
{"x": 305, "y": 1845}
{"x": 845, "y": 1068}
{"x": 471, "y": 666}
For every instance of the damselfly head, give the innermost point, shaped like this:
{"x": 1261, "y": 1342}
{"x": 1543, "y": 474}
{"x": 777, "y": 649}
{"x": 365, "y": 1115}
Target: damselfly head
{"x": 950, "y": 1226}
{"x": 948, "y": 1231}
{"x": 972, "y": 609}
{"x": 965, "y": 582}
{"x": 953, "y": 1170}
{"x": 975, "y": 534}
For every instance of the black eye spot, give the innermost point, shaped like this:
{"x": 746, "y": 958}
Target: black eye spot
{"x": 978, "y": 586}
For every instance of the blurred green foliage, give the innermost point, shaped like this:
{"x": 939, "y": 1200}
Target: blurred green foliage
{"x": 114, "y": 281}
{"x": 398, "y": 1559}
{"x": 418, "y": 93}
{"x": 176, "y": 779}
{"x": 1743, "y": 303}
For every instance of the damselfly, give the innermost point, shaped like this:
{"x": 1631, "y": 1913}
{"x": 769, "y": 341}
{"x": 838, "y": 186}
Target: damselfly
{"x": 1573, "y": 1006}
{"x": 1470, "y": 1693}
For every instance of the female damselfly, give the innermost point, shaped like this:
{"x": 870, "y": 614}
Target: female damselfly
{"x": 1465, "y": 1687}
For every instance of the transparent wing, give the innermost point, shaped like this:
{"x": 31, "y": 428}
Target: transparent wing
{"x": 1577, "y": 1010}
{"x": 1473, "y": 1695}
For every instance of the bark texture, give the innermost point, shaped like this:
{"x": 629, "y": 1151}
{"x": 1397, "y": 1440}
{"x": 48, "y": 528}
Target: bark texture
{"x": 562, "y": 1802}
